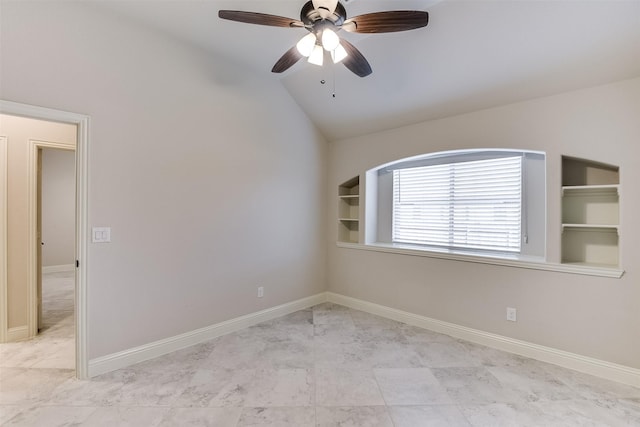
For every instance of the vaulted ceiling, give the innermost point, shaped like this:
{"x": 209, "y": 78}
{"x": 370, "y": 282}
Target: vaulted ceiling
{"x": 473, "y": 54}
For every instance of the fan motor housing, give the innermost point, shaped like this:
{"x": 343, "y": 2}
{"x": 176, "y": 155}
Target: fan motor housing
{"x": 310, "y": 16}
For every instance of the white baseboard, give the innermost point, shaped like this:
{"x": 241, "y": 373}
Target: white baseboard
{"x": 57, "y": 268}
{"x": 17, "y": 334}
{"x": 134, "y": 355}
{"x": 600, "y": 368}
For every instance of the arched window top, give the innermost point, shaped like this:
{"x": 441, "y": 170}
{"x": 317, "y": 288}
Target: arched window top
{"x": 455, "y": 156}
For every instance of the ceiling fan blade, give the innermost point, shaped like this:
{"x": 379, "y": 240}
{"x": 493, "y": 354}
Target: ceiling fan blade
{"x": 355, "y": 61}
{"x": 259, "y": 18}
{"x": 387, "y": 22}
{"x": 285, "y": 62}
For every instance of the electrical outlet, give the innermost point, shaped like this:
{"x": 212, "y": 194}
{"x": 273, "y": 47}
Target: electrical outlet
{"x": 511, "y": 314}
{"x": 260, "y": 291}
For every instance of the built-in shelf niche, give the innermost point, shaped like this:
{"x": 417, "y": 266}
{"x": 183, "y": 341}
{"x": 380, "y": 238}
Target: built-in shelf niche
{"x": 349, "y": 211}
{"x": 590, "y": 213}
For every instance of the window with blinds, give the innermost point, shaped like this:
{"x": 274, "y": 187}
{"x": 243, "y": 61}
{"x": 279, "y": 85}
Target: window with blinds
{"x": 473, "y": 205}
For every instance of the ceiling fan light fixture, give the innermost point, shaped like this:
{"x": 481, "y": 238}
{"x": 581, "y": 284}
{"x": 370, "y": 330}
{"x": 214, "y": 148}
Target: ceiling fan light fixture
{"x": 322, "y": 19}
{"x": 317, "y": 55}
{"x": 306, "y": 44}
{"x": 338, "y": 54}
{"x": 330, "y": 39}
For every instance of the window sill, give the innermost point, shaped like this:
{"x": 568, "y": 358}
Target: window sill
{"x": 512, "y": 261}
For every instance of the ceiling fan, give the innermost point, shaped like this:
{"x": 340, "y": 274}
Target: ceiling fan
{"x": 323, "y": 19}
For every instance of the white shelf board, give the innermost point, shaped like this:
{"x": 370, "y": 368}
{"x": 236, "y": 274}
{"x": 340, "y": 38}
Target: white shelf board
{"x": 612, "y": 227}
{"x": 588, "y": 189}
{"x": 591, "y": 265}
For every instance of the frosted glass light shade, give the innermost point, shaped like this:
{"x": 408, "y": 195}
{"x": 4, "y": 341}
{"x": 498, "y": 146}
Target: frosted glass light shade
{"x": 330, "y": 39}
{"x": 338, "y": 54}
{"x": 317, "y": 55}
{"x": 306, "y": 44}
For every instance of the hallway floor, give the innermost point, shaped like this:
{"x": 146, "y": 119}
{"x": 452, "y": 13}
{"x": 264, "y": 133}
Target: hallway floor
{"x": 54, "y": 347}
{"x": 324, "y": 366}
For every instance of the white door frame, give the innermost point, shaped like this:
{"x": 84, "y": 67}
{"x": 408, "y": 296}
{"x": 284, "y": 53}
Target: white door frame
{"x": 82, "y": 231}
{"x": 3, "y": 240}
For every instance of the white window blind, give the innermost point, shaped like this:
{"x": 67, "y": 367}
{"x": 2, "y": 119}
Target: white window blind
{"x": 469, "y": 205}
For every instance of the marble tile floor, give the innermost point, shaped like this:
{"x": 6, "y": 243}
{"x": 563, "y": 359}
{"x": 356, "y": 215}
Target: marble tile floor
{"x": 54, "y": 347}
{"x": 324, "y": 366}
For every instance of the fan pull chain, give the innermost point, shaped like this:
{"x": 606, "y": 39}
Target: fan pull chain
{"x": 323, "y": 81}
{"x": 333, "y": 69}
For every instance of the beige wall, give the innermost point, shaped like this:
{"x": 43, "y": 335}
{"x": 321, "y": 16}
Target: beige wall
{"x": 211, "y": 178}
{"x": 19, "y": 131}
{"x": 58, "y": 207}
{"x": 592, "y": 316}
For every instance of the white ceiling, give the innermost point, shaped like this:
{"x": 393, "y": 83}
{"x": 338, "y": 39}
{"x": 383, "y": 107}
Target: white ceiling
{"x": 473, "y": 54}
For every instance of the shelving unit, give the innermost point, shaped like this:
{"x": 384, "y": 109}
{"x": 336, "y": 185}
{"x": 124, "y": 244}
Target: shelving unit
{"x": 349, "y": 211}
{"x": 590, "y": 213}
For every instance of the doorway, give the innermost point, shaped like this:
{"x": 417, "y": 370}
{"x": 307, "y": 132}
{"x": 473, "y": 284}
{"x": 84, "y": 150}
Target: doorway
{"x": 55, "y": 230}
{"x": 56, "y": 220}
{"x": 77, "y": 268}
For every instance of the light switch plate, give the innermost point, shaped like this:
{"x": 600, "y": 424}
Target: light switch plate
{"x": 101, "y": 234}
